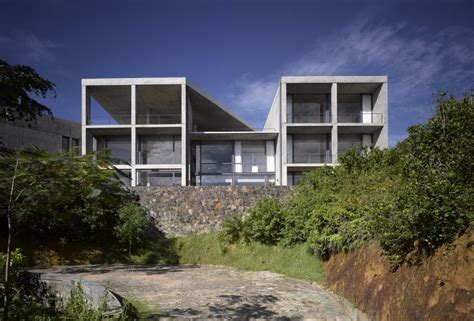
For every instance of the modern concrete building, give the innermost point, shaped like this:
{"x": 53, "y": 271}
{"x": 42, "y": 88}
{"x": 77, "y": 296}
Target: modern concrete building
{"x": 52, "y": 134}
{"x": 166, "y": 131}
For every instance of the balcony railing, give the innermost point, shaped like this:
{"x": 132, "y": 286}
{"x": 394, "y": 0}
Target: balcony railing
{"x": 301, "y": 118}
{"x": 310, "y": 158}
{"x": 159, "y": 119}
{"x": 109, "y": 120}
{"x": 232, "y": 168}
{"x": 237, "y": 179}
{"x": 360, "y": 118}
{"x": 154, "y": 119}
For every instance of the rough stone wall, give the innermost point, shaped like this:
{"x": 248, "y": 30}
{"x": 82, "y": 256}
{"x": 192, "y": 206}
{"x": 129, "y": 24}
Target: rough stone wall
{"x": 186, "y": 210}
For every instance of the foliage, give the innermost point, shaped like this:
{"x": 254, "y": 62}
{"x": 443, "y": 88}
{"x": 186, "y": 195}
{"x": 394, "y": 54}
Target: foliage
{"x": 133, "y": 225}
{"x": 234, "y": 229}
{"x": 410, "y": 199}
{"x": 63, "y": 196}
{"x": 17, "y": 82}
{"x": 293, "y": 261}
{"x": 77, "y": 308}
{"x": 434, "y": 202}
{"x": 265, "y": 221}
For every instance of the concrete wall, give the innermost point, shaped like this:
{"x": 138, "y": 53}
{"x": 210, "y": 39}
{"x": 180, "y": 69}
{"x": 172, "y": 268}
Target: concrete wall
{"x": 186, "y": 210}
{"x": 45, "y": 133}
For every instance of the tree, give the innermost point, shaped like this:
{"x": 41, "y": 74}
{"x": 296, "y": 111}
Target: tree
{"x": 17, "y": 82}
{"x": 133, "y": 225}
{"x": 50, "y": 196}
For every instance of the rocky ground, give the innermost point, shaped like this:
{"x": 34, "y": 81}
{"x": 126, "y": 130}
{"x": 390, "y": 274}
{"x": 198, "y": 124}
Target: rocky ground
{"x": 203, "y": 292}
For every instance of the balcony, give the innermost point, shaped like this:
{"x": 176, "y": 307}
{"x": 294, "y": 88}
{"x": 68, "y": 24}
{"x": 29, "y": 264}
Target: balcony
{"x": 360, "y": 118}
{"x": 308, "y": 117}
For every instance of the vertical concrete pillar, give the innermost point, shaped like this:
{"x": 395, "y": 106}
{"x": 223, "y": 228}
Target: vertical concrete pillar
{"x": 184, "y": 136}
{"x": 85, "y": 113}
{"x": 238, "y": 156}
{"x": 133, "y": 129}
{"x": 367, "y": 109}
{"x": 284, "y": 102}
{"x": 334, "y": 132}
{"x": 270, "y": 153}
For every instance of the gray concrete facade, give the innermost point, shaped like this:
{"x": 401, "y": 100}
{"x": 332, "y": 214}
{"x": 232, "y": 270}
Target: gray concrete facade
{"x": 52, "y": 134}
{"x": 356, "y": 112}
{"x": 169, "y": 132}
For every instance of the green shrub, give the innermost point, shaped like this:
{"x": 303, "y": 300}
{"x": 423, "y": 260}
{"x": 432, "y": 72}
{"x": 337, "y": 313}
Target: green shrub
{"x": 411, "y": 198}
{"x": 133, "y": 225}
{"x": 266, "y": 221}
{"x": 234, "y": 229}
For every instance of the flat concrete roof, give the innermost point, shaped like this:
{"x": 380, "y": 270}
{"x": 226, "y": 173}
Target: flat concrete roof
{"x": 332, "y": 79}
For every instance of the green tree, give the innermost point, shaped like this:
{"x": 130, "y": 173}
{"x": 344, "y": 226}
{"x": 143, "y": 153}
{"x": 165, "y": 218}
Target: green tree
{"x": 17, "y": 83}
{"x": 133, "y": 225}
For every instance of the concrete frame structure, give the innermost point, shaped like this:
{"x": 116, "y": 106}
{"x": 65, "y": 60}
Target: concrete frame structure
{"x": 199, "y": 120}
{"x": 374, "y": 130}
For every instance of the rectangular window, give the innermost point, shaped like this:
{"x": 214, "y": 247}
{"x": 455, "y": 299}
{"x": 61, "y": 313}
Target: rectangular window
{"x": 65, "y": 143}
{"x": 156, "y": 177}
{"x": 254, "y": 159}
{"x": 163, "y": 149}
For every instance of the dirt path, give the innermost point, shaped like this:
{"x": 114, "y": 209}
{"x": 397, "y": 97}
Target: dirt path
{"x": 197, "y": 292}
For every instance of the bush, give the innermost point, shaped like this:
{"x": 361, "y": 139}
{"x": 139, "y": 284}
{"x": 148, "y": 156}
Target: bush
{"x": 133, "y": 225}
{"x": 233, "y": 230}
{"x": 266, "y": 221}
{"x": 62, "y": 196}
{"x": 410, "y": 199}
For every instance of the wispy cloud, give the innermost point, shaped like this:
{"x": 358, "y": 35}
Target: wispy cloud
{"x": 27, "y": 47}
{"x": 417, "y": 62}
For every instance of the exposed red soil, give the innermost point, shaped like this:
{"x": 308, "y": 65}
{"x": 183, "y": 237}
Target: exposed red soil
{"x": 440, "y": 288}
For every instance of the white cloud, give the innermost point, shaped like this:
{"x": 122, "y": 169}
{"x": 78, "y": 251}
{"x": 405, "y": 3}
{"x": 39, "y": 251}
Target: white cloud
{"x": 417, "y": 62}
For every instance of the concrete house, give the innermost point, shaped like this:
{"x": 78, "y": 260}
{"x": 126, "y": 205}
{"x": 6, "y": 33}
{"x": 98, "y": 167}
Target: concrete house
{"x": 166, "y": 131}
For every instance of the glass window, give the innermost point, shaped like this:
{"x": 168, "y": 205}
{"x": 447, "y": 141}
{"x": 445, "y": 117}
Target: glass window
{"x": 310, "y": 148}
{"x": 253, "y": 157}
{"x": 310, "y": 109}
{"x": 349, "y": 108}
{"x": 120, "y": 147}
{"x": 347, "y": 141}
{"x": 164, "y": 149}
{"x": 215, "y": 157}
{"x": 65, "y": 143}
{"x": 158, "y": 177}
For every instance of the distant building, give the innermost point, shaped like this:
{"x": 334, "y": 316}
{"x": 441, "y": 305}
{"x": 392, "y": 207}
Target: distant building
{"x": 166, "y": 131}
{"x": 52, "y": 134}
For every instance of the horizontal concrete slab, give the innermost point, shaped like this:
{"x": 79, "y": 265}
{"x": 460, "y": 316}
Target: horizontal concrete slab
{"x": 358, "y": 128}
{"x": 235, "y": 135}
{"x": 309, "y": 128}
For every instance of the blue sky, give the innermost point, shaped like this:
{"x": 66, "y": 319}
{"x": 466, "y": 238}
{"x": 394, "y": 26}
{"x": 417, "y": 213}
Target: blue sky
{"x": 237, "y": 50}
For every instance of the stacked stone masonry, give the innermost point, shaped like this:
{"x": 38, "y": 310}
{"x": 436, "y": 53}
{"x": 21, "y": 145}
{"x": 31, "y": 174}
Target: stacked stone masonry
{"x": 187, "y": 210}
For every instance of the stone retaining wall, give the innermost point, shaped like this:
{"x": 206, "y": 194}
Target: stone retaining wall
{"x": 186, "y": 210}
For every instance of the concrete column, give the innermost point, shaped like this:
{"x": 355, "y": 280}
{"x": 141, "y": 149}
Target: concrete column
{"x": 238, "y": 156}
{"x": 367, "y": 109}
{"x": 270, "y": 153}
{"x": 283, "y": 134}
{"x": 85, "y": 112}
{"x": 184, "y": 137}
{"x": 334, "y": 133}
{"x": 367, "y": 140}
{"x": 289, "y": 109}
{"x": 133, "y": 148}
